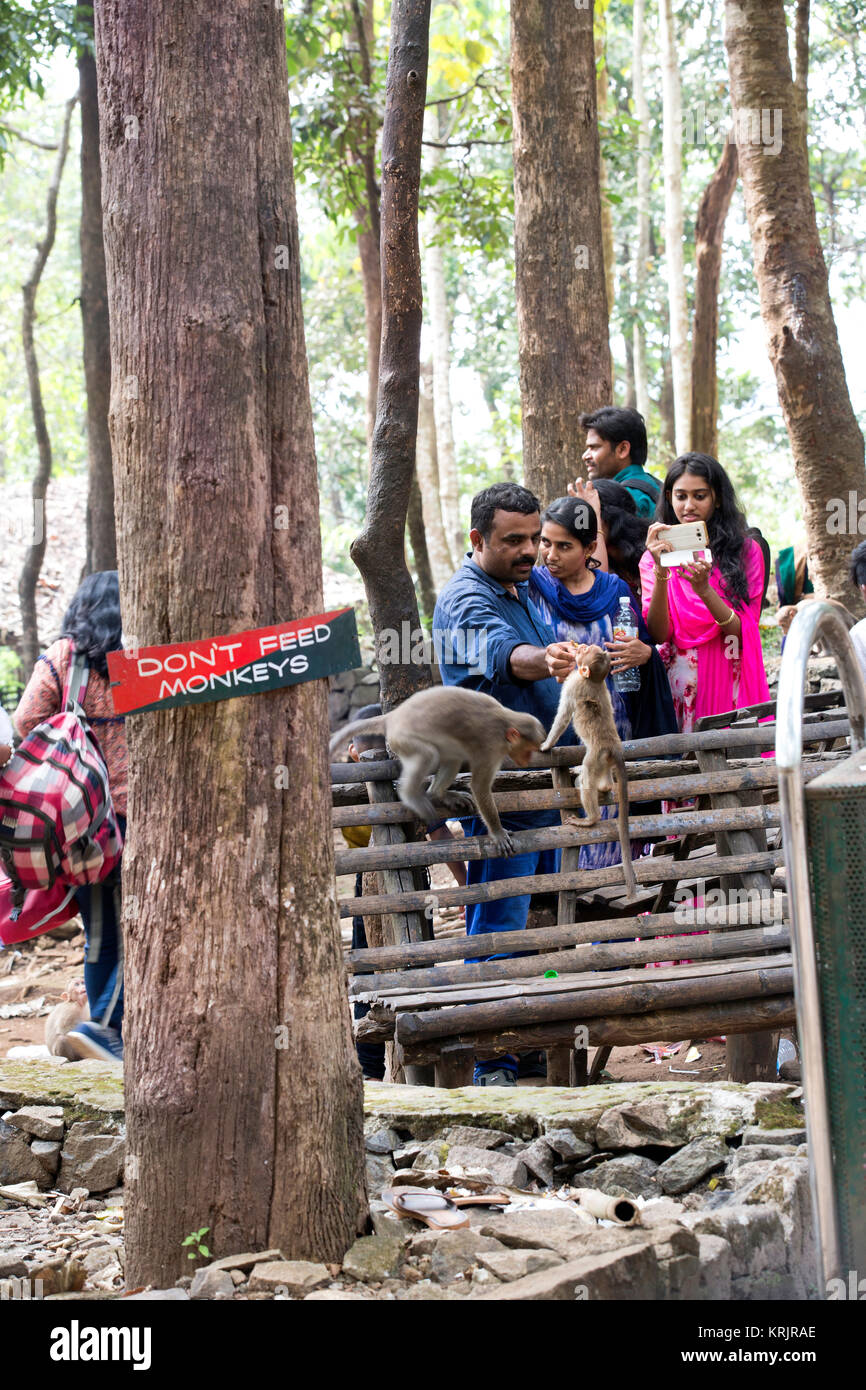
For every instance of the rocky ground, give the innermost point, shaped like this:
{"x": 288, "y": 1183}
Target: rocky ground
{"x": 718, "y": 1175}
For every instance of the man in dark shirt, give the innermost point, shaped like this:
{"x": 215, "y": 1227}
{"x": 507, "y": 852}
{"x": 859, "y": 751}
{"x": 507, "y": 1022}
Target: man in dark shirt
{"x": 488, "y": 637}
{"x": 616, "y": 447}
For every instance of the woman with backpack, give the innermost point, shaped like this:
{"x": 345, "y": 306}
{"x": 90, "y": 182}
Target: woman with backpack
{"x": 91, "y": 628}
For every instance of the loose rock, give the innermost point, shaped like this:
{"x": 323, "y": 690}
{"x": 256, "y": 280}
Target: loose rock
{"x": 296, "y": 1277}
{"x": 692, "y": 1163}
{"x": 210, "y": 1281}
{"x": 42, "y": 1121}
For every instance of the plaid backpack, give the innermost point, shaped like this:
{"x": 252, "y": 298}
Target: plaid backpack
{"x": 57, "y": 823}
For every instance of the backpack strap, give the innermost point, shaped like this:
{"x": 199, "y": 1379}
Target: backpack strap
{"x": 75, "y": 689}
{"x": 647, "y": 486}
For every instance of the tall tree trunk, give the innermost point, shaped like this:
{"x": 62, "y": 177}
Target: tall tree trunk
{"x": 378, "y": 550}
{"x": 428, "y": 480}
{"x": 674, "y": 225}
{"x": 440, "y": 326}
{"x": 367, "y": 214}
{"x": 420, "y": 553}
{"x": 244, "y": 1097}
{"x": 36, "y": 550}
{"x": 792, "y": 284}
{"x": 601, "y": 97}
{"x": 101, "y": 539}
{"x": 641, "y": 112}
{"x": 562, "y": 310}
{"x": 630, "y": 400}
{"x": 709, "y": 235}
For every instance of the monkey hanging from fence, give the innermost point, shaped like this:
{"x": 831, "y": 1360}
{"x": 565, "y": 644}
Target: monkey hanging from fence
{"x": 434, "y": 733}
{"x": 585, "y": 702}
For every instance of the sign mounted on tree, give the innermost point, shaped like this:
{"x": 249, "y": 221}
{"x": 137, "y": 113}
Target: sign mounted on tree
{"x": 221, "y": 668}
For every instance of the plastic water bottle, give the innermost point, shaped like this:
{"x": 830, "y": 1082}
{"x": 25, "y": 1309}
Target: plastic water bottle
{"x": 625, "y": 628}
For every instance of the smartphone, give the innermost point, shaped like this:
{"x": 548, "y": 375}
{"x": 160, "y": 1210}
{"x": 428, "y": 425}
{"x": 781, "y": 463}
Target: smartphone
{"x": 687, "y": 540}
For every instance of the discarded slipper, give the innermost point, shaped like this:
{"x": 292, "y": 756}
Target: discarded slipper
{"x": 433, "y": 1208}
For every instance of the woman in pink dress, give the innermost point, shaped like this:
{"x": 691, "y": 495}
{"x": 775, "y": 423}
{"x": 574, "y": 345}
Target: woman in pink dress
{"x": 704, "y": 617}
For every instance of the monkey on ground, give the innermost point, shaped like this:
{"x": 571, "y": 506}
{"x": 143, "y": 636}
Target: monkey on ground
{"x": 63, "y": 1018}
{"x": 435, "y": 732}
{"x": 585, "y": 701}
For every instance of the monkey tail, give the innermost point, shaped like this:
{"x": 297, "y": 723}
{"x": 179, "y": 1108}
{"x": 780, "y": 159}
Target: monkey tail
{"x": 343, "y": 737}
{"x": 618, "y": 762}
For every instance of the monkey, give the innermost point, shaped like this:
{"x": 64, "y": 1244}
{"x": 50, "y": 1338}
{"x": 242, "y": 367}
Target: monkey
{"x": 63, "y": 1018}
{"x": 585, "y": 700}
{"x": 435, "y": 732}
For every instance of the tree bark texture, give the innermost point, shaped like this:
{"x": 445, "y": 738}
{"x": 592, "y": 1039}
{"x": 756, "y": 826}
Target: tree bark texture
{"x": 379, "y": 550}
{"x": 672, "y": 143}
{"x": 562, "y": 310}
{"x": 601, "y": 97}
{"x": 641, "y": 112}
{"x": 792, "y": 284}
{"x": 243, "y": 1097}
{"x": 36, "y": 550}
{"x": 440, "y": 331}
{"x": 428, "y": 480}
{"x": 801, "y": 58}
{"x": 101, "y": 539}
{"x": 709, "y": 237}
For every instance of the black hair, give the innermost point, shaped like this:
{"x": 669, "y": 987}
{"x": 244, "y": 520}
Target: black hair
{"x": 501, "y": 497}
{"x": 92, "y": 620}
{"x": 619, "y": 426}
{"x": 577, "y": 518}
{"x": 858, "y": 565}
{"x": 726, "y": 525}
{"x": 626, "y": 529}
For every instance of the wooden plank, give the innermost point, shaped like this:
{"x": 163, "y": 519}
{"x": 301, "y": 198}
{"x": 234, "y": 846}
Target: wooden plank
{"x": 599, "y": 1062}
{"x": 573, "y": 934}
{"x": 454, "y": 1066}
{"x": 560, "y": 1066}
{"x": 400, "y": 855}
{"x": 712, "y": 946}
{"x": 584, "y": 881}
{"x": 665, "y": 746}
{"x": 628, "y": 1030}
{"x": 489, "y": 991}
{"x": 413, "y": 1028}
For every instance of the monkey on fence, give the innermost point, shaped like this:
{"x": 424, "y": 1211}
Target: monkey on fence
{"x": 435, "y": 732}
{"x": 585, "y": 701}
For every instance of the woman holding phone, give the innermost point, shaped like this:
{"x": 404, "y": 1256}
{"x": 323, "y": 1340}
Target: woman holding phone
{"x": 704, "y": 616}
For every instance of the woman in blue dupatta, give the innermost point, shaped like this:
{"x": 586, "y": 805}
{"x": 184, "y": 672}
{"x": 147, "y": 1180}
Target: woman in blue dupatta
{"x": 580, "y": 602}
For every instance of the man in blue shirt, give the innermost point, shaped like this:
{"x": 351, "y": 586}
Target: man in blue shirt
{"x": 488, "y": 637}
{"x": 616, "y": 447}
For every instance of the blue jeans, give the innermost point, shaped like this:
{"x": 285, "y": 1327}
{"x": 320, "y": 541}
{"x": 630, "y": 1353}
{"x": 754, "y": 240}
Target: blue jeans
{"x": 503, "y": 914}
{"x": 98, "y": 904}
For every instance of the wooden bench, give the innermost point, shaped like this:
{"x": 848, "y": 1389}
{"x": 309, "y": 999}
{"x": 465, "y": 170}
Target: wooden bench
{"x": 435, "y": 1011}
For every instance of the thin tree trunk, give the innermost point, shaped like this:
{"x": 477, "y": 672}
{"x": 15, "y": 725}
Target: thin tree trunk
{"x": 674, "y": 225}
{"x": 641, "y": 112}
{"x": 630, "y": 395}
{"x": 36, "y": 550}
{"x": 101, "y": 539}
{"x": 709, "y": 236}
{"x": 440, "y": 326}
{"x": 801, "y": 60}
{"x": 666, "y": 410}
{"x": 420, "y": 553}
{"x": 378, "y": 550}
{"x": 792, "y": 284}
{"x": 367, "y": 215}
{"x": 562, "y": 311}
{"x": 428, "y": 480}
{"x": 243, "y": 1092}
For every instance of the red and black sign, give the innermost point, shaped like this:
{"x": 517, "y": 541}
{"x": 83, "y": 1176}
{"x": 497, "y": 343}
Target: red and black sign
{"x": 221, "y": 668}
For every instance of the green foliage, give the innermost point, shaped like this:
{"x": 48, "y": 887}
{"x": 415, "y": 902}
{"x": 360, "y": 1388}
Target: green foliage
{"x": 195, "y": 1239}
